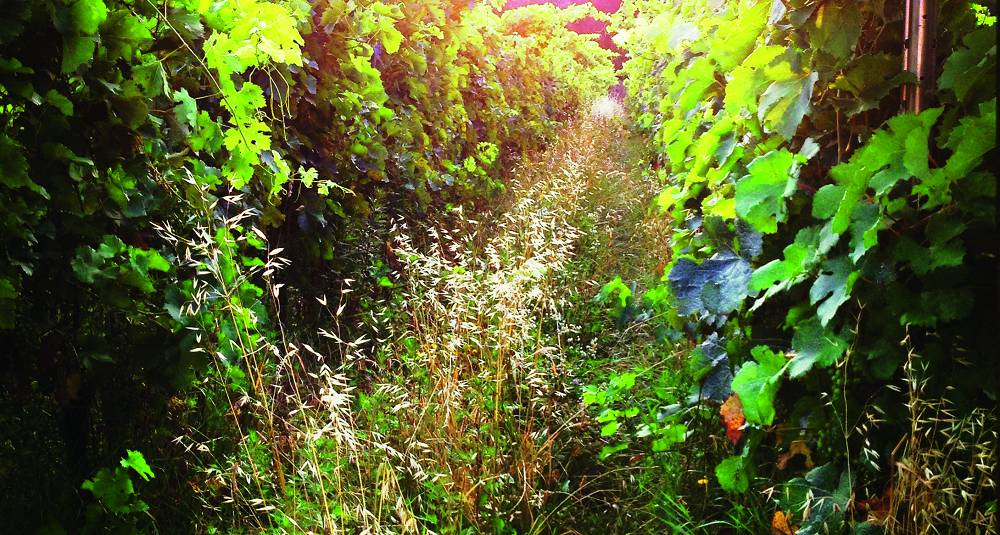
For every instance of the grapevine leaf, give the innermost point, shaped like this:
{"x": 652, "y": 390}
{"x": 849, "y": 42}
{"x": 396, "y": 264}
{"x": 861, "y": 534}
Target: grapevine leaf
{"x": 810, "y": 244}
{"x": 853, "y": 178}
{"x": 13, "y": 165}
{"x": 712, "y": 366}
{"x": 832, "y": 287}
{"x": 784, "y": 103}
{"x": 186, "y": 109}
{"x": 970, "y": 64}
{"x": 864, "y": 230}
{"x": 58, "y": 101}
{"x": 970, "y": 140}
{"x": 915, "y": 150}
{"x": 732, "y": 418}
{"x": 729, "y": 48}
{"x": 747, "y": 80}
{"x": 814, "y": 346}
{"x": 113, "y": 488}
{"x": 835, "y": 29}
{"x": 827, "y": 200}
{"x": 946, "y": 247}
{"x": 88, "y": 15}
{"x": 717, "y": 285}
{"x": 760, "y": 196}
{"x": 756, "y": 383}
{"x": 822, "y": 495}
{"x": 870, "y": 78}
{"x": 76, "y": 51}
{"x": 884, "y": 180}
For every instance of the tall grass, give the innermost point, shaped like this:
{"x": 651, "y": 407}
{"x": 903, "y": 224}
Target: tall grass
{"x": 441, "y": 406}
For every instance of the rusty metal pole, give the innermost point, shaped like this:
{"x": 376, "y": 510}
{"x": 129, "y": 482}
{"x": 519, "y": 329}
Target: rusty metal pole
{"x": 918, "y": 56}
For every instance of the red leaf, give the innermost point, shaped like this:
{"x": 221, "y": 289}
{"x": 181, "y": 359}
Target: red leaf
{"x": 732, "y": 418}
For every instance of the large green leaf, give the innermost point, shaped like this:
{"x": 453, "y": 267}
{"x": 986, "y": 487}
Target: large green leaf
{"x": 77, "y": 50}
{"x": 814, "y": 345}
{"x": 835, "y": 29}
{"x": 865, "y": 224}
{"x": 852, "y": 177}
{"x": 760, "y": 196}
{"x": 870, "y": 78}
{"x": 716, "y": 286}
{"x": 785, "y": 103}
{"x": 810, "y": 244}
{"x": 827, "y": 200}
{"x": 757, "y": 383}
{"x": 730, "y": 47}
{"x": 832, "y": 287}
{"x": 971, "y": 64}
{"x": 88, "y": 15}
{"x": 971, "y": 140}
{"x": 747, "y": 80}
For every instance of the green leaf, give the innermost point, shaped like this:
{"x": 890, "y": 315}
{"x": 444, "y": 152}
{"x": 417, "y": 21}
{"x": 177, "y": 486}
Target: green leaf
{"x": 799, "y": 257}
{"x": 113, "y": 488}
{"x": 970, "y": 140}
{"x": 732, "y": 476}
{"x": 729, "y": 48}
{"x": 946, "y": 246}
{"x": 615, "y": 287}
{"x": 756, "y": 383}
{"x": 611, "y": 449}
{"x": 870, "y": 78}
{"x": 88, "y": 15}
{"x": 186, "y": 109}
{"x": 915, "y": 151}
{"x": 717, "y": 285}
{"x": 748, "y": 79}
{"x": 833, "y": 287}
{"x": 760, "y": 196}
{"x": 609, "y": 428}
{"x": 827, "y": 200}
{"x": 835, "y": 29}
{"x": 8, "y": 309}
{"x": 785, "y": 103}
{"x": 151, "y": 77}
{"x": 970, "y": 64}
{"x": 814, "y": 346}
{"x": 883, "y": 181}
{"x": 137, "y": 462}
{"x": 865, "y": 224}
{"x": 853, "y": 178}
{"x": 76, "y": 51}
{"x": 13, "y": 164}
{"x": 668, "y": 436}
{"x": 60, "y": 102}
{"x": 124, "y": 34}
{"x": 391, "y": 38}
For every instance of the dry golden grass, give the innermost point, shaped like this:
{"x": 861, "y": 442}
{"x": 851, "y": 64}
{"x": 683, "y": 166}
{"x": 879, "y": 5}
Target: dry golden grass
{"x": 945, "y": 466}
{"x": 470, "y": 393}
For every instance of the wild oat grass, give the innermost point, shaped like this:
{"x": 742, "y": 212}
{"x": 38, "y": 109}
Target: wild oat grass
{"x": 945, "y": 466}
{"x": 440, "y": 409}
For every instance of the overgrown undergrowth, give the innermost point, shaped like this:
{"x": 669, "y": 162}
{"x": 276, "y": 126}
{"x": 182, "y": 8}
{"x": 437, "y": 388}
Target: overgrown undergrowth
{"x": 458, "y": 407}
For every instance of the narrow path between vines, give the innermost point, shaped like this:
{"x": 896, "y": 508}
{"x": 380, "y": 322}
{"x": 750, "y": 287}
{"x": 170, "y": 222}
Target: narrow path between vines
{"x": 497, "y": 330}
